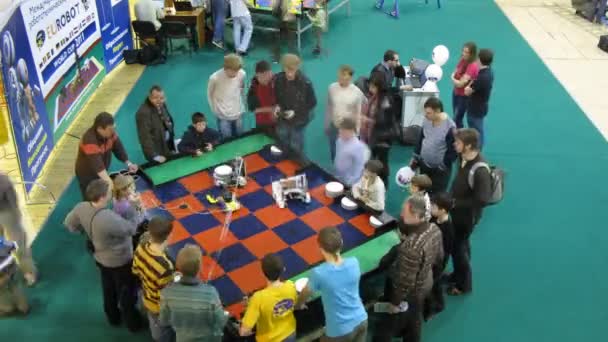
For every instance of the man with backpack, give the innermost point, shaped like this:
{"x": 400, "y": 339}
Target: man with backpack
{"x": 472, "y": 189}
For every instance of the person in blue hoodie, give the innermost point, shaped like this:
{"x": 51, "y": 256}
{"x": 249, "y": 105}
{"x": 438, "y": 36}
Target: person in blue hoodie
{"x": 198, "y": 138}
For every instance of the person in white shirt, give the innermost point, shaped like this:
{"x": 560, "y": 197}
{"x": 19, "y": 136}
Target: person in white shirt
{"x": 146, "y": 10}
{"x": 370, "y": 188}
{"x": 243, "y": 26}
{"x": 224, "y": 92}
{"x": 344, "y": 100}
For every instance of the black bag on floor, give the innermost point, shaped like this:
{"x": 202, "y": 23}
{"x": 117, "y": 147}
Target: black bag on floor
{"x": 131, "y": 56}
{"x": 603, "y": 43}
{"x": 151, "y": 55}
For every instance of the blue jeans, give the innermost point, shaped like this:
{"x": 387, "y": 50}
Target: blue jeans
{"x": 459, "y": 104}
{"x": 218, "y": 10}
{"x": 477, "y": 123}
{"x": 230, "y": 128}
{"x": 291, "y": 137}
{"x": 243, "y": 28}
{"x": 332, "y": 136}
{"x": 159, "y": 332}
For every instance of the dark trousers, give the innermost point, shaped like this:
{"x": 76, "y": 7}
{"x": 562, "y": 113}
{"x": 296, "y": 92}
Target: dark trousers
{"x": 406, "y": 325}
{"x": 439, "y": 177}
{"x": 476, "y": 122}
{"x": 380, "y": 151}
{"x": 460, "y": 105}
{"x": 435, "y": 301}
{"x": 119, "y": 288}
{"x": 461, "y": 257}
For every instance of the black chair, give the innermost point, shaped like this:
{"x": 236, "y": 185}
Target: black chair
{"x": 145, "y": 31}
{"x": 178, "y": 30}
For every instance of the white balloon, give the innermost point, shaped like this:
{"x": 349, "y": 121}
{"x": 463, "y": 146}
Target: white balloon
{"x": 433, "y": 73}
{"x": 430, "y": 86}
{"x": 441, "y": 54}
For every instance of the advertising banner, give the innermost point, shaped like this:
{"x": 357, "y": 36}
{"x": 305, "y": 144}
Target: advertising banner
{"x": 30, "y": 122}
{"x": 115, "y": 30}
{"x": 64, "y": 37}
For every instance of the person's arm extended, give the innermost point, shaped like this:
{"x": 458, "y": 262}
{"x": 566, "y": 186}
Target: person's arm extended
{"x": 450, "y": 154}
{"x": 407, "y": 265}
{"x": 120, "y": 227}
{"x": 311, "y": 98}
{"x": 418, "y": 148}
{"x": 72, "y": 220}
{"x": 378, "y": 202}
{"x": 211, "y": 93}
{"x": 252, "y": 314}
{"x": 303, "y": 297}
{"x": 187, "y": 144}
{"x": 118, "y": 149}
{"x": 329, "y": 110}
{"x": 482, "y": 188}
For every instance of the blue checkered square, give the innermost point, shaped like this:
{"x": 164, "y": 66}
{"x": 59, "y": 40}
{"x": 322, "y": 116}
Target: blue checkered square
{"x": 300, "y": 208}
{"x": 316, "y": 176}
{"x": 229, "y": 292}
{"x": 247, "y": 226}
{"x": 267, "y": 175}
{"x": 170, "y": 191}
{"x": 294, "y": 264}
{"x": 156, "y": 211}
{"x": 294, "y": 231}
{"x": 233, "y": 257}
{"x": 256, "y": 200}
{"x": 351, "y": 236}
{"x": 197, "y": 223}
{"x": 267, "y": 156}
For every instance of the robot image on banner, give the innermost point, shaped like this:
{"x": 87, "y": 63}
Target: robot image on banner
{"x": 295, "y": 187}
{"x": 19, "y": 90}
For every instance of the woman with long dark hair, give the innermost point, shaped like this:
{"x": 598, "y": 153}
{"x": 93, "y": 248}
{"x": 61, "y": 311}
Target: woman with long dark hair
{"x": 465, "y": 73}
{"x": 376, "y": 124}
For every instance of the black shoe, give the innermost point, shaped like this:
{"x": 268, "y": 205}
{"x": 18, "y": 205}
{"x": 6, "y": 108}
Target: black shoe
{"x": 242, "y": 53}
{"x": 316, "y": 51}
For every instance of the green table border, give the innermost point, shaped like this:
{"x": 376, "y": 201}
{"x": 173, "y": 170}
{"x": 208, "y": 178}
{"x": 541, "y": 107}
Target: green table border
{"x": 187, "y": 165}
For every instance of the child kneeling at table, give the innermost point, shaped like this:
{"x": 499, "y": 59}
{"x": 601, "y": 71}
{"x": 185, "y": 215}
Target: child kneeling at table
{"x": 370, "y": 190}
{"x": 198, "y": 138}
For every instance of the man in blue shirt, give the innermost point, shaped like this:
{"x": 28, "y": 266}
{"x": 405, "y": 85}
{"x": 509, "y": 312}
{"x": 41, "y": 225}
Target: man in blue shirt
{"x": 351, "y": 153}
{"x": 338, "y": 282}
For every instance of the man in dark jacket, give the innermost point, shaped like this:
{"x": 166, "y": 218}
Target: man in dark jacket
{"x": 198, "y": 138}
{"x": 296, "y": 99}
{"x": 471, "y": 191}
{"x": 410, "y": 276}
{"x": 386, "y": 69}
{"x": 95, "y": 151}
{"x": 155, "y": 127}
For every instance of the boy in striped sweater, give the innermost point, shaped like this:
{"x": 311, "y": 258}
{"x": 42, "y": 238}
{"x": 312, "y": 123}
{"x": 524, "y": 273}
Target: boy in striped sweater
{"x": 155, "y": 270}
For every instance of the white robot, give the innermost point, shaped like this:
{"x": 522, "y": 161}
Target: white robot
{"x": 295, "y": 187}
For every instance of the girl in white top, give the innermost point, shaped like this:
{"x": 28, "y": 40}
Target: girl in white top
{"x": 370, "y": 189}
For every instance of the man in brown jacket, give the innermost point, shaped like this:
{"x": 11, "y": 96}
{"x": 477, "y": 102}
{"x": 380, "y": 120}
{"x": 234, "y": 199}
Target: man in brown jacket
{"x": 155, "y": 127}
{"x": 410, "y": 277}
{"x": 95, "y": 152}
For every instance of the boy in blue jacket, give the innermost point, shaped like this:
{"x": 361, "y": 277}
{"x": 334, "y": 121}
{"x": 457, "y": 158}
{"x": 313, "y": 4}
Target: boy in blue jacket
{"x": 198, "y": 138}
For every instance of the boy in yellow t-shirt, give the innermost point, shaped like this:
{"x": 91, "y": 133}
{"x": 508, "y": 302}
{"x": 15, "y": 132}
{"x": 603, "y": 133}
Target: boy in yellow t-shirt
{"x": 271, "y": 310}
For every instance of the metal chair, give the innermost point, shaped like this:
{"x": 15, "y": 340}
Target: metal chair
{"x": 144, "y": 31}
{"x": 178, "y": 30}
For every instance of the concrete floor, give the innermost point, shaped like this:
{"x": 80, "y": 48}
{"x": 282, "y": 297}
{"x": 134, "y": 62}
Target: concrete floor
{"x": 566, "y": 43}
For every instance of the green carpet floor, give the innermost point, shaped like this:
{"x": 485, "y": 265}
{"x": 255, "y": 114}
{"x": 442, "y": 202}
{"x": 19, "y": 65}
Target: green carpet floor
{"x": 538, "y": 257}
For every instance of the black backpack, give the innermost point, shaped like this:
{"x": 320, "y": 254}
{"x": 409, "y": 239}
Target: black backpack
{"x": 151, "y": 55}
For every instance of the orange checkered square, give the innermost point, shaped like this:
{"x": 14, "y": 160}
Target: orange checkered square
{"x": 210, "y": 239}
{"x": 321, "y": 218}
{"x": 192, "y": 206}
{"x": 198, "y": 182}
{"x": 273, "y": 216}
